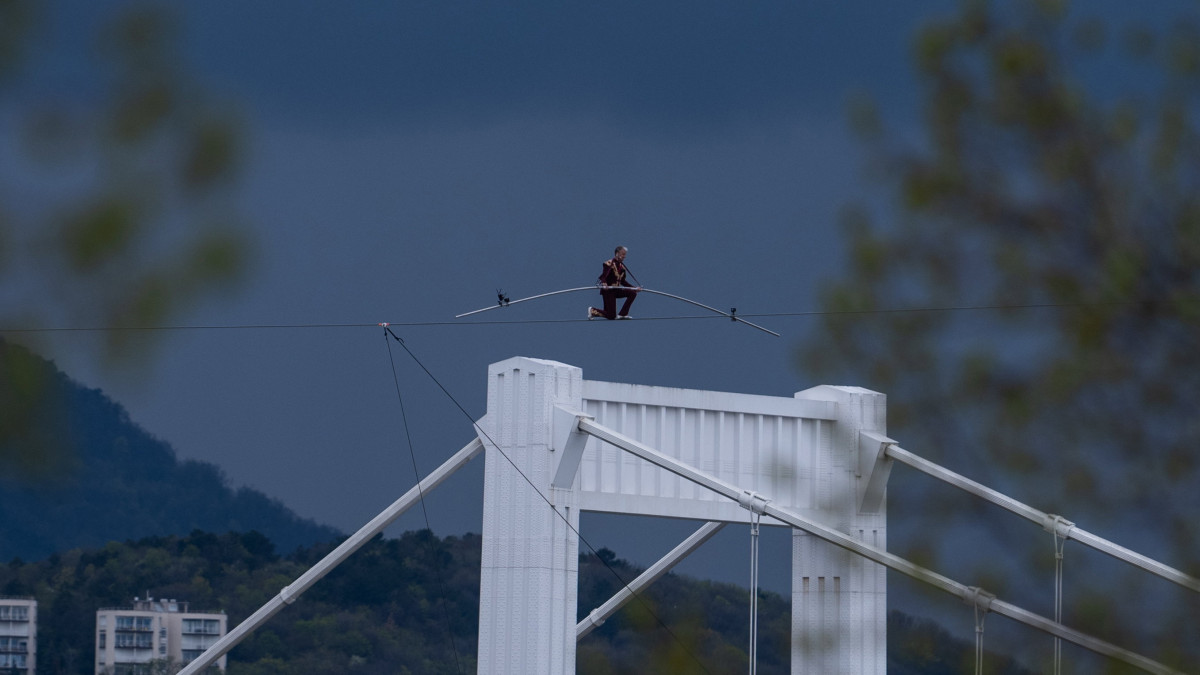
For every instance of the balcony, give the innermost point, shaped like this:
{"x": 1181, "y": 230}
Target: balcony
{"x": 201, "y": 627}
{"x": 134, "y": 625}
{"x": 14, "y": 645}
{"x": 136, "y": 641}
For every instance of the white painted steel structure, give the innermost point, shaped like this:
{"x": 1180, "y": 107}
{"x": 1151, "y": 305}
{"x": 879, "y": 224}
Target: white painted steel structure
{"x": 818, "y": 462}
{"x": 802, "y": 451}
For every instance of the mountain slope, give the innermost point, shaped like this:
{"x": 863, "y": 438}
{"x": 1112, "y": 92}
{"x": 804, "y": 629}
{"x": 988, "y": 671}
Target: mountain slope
{"x": 75, "y": 471}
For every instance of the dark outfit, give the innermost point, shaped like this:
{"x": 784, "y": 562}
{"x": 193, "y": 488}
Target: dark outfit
{"x": 613, "y": 274}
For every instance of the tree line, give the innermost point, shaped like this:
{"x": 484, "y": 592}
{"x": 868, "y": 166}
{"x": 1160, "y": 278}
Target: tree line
{"x": 410, "y": 605}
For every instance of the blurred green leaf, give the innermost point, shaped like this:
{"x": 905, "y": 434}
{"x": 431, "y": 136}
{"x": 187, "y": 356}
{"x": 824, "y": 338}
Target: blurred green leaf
{"x": 1032, "y": 183}
{"x": 98, "y": 233}
{"x": 133, "y": 217}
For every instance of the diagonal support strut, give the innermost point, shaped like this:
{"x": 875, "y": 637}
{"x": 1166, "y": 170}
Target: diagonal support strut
{"x": 622, "y": 597}
{"x": 1054, "y": 524}
{"x": 314, "y": 574}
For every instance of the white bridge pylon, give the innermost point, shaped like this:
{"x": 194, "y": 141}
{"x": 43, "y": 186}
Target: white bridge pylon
{"x": 817, "y": 462}
{"x": 800, "y": 452}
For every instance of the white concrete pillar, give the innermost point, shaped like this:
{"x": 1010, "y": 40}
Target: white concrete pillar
{"x": 529, "y": 577}
{"x": 839, "y": 600}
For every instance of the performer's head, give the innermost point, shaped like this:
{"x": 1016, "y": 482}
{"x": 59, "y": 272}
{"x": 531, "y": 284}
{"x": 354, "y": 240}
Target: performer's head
{"x": 620, "y": 252}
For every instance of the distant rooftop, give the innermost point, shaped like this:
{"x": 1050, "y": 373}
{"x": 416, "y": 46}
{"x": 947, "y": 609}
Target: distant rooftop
{"x": 149, "y": 604}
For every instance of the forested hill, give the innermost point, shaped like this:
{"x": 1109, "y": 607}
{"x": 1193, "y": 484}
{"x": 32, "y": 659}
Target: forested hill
{"x": 76, "y": 472}
{"x": 411, "y": 605}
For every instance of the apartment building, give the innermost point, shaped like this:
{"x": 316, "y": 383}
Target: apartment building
{"x": 154, "y": 636}
{"x": 18, "y": 635}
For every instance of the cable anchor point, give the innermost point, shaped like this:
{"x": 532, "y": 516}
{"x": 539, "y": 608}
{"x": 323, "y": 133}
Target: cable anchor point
{"x": 753, "y": 502}
{"x": 979, "y": 598}
{"x": 1058, "y": 526}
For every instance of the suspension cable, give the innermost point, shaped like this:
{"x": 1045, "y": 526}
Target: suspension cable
{"x": 980, "y": 617}
{"x": 754, "y": 520}
{"x": 1061, "y": 531}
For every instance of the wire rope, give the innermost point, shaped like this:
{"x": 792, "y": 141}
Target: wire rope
{"x": 432, "y": 323}
{"x": 436, "y": 568}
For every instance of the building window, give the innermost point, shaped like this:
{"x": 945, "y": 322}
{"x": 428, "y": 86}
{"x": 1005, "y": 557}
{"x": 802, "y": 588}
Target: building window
{"x": 13, "y": 661}
{"x": 14, "y": 645}
{"x": 138, "y": 623}
{"x": 133, "y": 641}
{"x": 102, "y": 641}
{"x": 202, "y": 626}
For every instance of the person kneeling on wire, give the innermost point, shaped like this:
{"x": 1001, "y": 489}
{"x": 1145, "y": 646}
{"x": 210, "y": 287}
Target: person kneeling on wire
{"x": 612, "y": 286}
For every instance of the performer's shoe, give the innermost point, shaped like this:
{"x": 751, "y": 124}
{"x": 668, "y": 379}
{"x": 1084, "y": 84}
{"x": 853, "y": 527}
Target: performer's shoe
{"x": 624, "y": 316}
{"x": 591, "y": 314}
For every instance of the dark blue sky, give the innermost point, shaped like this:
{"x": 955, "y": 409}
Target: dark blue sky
{"x": 406, "y": 159}
{"x": 663, "y": 68}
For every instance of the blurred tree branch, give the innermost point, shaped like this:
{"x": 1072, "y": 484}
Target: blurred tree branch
{"x": 117, "y": 203}
{"x": 1058, "y": 164}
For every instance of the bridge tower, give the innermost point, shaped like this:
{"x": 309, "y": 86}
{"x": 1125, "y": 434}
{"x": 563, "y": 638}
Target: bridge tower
{"x": 801, "y": 453}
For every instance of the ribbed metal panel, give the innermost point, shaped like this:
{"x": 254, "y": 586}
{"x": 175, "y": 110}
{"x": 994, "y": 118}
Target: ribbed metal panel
{"x": 778, "y": 452}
